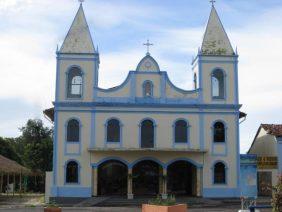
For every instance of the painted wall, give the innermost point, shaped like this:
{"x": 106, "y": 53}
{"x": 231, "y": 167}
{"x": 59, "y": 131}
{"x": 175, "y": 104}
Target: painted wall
{"x": 264, "y": 145}
{"x": 248, "y": 172}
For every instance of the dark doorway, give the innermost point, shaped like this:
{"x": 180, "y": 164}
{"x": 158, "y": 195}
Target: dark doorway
{"x": 146, "y": 178}
{"x": 147, "y": 134}
{"x": 181, "y": 176}
{"x": 112, "y": 178}
{"x": 264, "y": 183}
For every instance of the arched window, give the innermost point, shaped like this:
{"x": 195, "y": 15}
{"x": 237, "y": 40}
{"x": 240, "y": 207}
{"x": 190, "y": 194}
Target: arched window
{"x": 195, "y": 81}
{"x": 148, "y": 89}
{"x": 218, "y": 86}
{"x": 74, "y": 83}
{"x": 218, "y": 132}
{"x": 147, "y": 134}
{"x": 113, "y": 131}
{"x": 73, "y": 130}
{"x": 180, "y": 131}
{"x": 219, "y": 173}
{"x": 72, "y": 172}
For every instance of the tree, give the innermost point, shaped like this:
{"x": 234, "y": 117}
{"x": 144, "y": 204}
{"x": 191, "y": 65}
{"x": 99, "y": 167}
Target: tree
{"x": 38, "y": 145}
{"x": 8, "y": 149}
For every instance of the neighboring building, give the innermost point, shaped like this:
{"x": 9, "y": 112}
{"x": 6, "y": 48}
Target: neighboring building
{"x": 267, "y": 145}
{"x": 146, "y": 136}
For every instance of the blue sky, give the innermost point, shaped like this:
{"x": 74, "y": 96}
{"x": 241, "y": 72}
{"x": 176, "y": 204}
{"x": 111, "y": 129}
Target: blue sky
{"x": 31, "y": 29}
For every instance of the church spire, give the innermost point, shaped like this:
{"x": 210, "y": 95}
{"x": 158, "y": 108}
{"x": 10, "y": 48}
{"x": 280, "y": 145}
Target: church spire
{"x": 78, "y": 39}
{"x": 216, "y": 41}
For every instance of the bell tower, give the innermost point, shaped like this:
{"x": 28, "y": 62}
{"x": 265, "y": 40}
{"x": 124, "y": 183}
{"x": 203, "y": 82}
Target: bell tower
{"x": 216, "y": 65}
{"x": 77, "y": 63}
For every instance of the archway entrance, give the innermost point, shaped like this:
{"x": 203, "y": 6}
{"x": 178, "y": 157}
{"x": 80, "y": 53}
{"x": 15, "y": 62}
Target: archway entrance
{"x": 182, "y": 178}
{"x": 112, "y": 178}
{"x": 146, "y": 178}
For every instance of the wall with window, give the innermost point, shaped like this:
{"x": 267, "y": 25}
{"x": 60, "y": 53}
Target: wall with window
{"x": 64, "y": 90}
{"x": 155, "y": 80}
{"x": 219, "y": 150}
{"x": 71, "y": 150}
{"x": 164, "y": 129}
{"x": 227, "y": 65}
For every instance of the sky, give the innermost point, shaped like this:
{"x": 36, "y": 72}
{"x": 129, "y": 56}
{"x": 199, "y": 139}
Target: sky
{"x": 30, "y": 31}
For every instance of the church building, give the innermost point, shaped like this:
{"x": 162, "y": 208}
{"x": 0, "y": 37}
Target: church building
{"x": 146, "y": 136}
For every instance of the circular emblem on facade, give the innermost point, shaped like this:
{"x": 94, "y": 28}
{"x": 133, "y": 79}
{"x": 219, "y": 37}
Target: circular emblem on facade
{"x": 148, "y": 64}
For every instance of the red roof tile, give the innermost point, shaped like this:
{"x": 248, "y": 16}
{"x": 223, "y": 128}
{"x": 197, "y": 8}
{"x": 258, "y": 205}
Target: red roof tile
{"x": 273, "y": 129}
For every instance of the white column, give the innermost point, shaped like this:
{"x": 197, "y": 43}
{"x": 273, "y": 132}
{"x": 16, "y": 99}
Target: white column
{"x": 129, "y": 184}
{"x": 95, "y": 181}
{"x": 199, "y": 183}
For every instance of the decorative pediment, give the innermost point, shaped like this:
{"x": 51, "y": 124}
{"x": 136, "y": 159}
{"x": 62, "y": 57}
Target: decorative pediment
{"x": 148, "y": 63}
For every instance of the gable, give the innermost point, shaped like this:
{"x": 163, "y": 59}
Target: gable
{"x": 148, "y": 63}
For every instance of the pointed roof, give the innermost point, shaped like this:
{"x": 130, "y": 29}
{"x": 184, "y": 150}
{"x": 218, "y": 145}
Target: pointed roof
{"x": 148, "y": 63}
{"x": 216, "y": 41}
{"x": 78, "y": 39}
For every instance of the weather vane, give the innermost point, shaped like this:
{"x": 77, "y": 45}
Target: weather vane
{"x": 212, "y": 1}
{"x": 148, "y": 44}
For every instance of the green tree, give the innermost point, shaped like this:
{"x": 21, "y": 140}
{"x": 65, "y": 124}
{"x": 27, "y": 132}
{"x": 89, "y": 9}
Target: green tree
{"x": 8, "y": 149}
{"x": 38, "y": 145}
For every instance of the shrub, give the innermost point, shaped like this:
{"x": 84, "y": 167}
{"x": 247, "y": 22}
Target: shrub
{"x": 276, "y": 201}
{"x": 165, "y": 202}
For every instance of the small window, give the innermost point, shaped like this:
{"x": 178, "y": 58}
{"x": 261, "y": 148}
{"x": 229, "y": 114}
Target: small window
{"x": 218, "y": 132}
{"x": 148, "y": 89}
{"x": 180, "y": 131}
{"x": 218, "y": 86}
{"x": 219, "y": 173}
{"x": 113, "y": 131}
{"x": 74, "y": 83}
{"x": 72, "y": 172}
{"x": 73, "y": 131}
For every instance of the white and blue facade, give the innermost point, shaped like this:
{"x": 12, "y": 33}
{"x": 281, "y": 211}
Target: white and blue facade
{"x": 161, "y": 105}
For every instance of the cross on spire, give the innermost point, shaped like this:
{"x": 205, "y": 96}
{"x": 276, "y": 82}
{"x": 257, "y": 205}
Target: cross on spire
{"x": 212, "y": 2}
{"x": 148, "y": 44}
{"x": 81, "y": 1}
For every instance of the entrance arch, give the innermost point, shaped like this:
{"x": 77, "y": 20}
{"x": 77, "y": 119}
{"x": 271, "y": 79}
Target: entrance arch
{"x": 146, "y": 177}
{"x": 182, "y": 178}
{"x": 112, "y": 178}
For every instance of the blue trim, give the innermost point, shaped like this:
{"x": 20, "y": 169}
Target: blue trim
{"x": 71, "y": 191}
{"x": 179, "y": 89}
{"x": 201, "y": 131}
{"x": 147, "y": 158}
{"x": 72, "y": 142}
{"x": 155, "y": 131}
{"x": 93, "y": 127}
{"x": 221, "y": 192}
{"x": 236, "y": 84}
{"x": 183, "y": 159}
{"x": 106, "y": 142}
{"x": 147, "y": 112}
{"x": 55, "y": 151}
{"x": 133, "y": 88}
{"x": 124, "y": 83}
{"x": 175, "y": 143}
{"x": 96, "y": 165}
{"x": 214, "y": 98}
{"x": 151, "y": 87}
{"x": 58, "y": 72}
{"x": 78, "y": 174}
{"x": 67, "y": 83}
{"x": 163, "y": 88}
{"x": 279, "y": 153}
{"x": 226, "y": 172}
{"x": 144, "y": 104}
{"x": 238, "y": 150}
{"x": 219, "y": 143}
{"x": 91, "y": 59}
